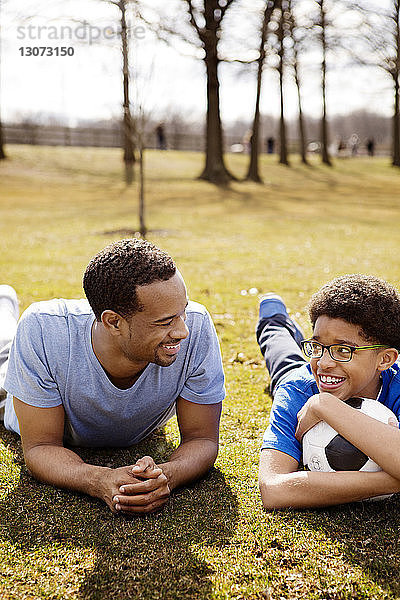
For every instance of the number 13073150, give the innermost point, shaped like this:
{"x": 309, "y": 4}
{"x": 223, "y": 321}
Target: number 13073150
{"x": 47, "y": 51}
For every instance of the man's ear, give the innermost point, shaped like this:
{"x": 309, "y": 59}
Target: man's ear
{"x": 112, "y": 322}
{"x": 388, "y": 356}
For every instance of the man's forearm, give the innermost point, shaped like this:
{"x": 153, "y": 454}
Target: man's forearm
{"x": 305, "y": 489}
{"x": 63, "y": 468}
{"x": 190, "y": 461}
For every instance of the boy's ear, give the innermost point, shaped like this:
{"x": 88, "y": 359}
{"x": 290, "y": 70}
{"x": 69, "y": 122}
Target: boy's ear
{"x": 388, "y": 356}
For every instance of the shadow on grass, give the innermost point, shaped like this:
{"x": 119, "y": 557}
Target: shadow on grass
{"x": 156, "y": 556}
{"x": 366, "y": 537}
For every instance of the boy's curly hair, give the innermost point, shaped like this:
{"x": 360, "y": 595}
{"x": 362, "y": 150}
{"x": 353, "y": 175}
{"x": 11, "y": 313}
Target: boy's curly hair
{"x": 112, "y": 276}
{"x": 363, "y": 300}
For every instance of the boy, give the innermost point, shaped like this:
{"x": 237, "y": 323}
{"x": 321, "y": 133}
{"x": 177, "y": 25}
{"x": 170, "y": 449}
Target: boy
{"x": 353, "y": 352}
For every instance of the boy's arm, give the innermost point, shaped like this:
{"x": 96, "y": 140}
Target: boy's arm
{"x": 282, "y": 486}
{"x": 379, "y": 441}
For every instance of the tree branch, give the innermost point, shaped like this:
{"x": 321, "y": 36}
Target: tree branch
{"x": 193, "y": 18}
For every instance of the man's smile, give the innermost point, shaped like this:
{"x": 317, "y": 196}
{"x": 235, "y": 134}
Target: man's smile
{"x": 171, "y": 349}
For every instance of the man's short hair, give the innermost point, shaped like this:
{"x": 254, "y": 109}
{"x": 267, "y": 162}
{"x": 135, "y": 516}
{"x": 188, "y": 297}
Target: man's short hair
{"x": 363, "y": 300}
{"x": 112, "y": 276}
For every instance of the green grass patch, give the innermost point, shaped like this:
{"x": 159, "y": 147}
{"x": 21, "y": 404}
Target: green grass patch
{"x": 302, "y": 227}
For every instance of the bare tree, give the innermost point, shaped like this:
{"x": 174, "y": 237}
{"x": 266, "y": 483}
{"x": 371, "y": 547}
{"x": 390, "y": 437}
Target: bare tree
{"x": 128, "y": 129}
{"x": 253, "y": 169}
{"x": 2, "y": 151}
{"x": 206, "y": 21}
{"x": 321, "y": 27}
{"x": 394, "y": 66}
{"x": 296, "y": 50}
{"x": 127, "y": 122}
{"x": 380, "y": 29}
{"x": 283, "y": 150}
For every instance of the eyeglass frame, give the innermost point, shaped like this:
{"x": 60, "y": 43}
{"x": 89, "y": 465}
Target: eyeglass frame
{"x": 351, "y": 348}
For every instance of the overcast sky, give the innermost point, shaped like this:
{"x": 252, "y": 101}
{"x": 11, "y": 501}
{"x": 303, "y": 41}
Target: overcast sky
{"x": 87, "y": 85}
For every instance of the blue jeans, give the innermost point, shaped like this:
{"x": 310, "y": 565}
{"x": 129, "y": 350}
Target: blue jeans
{"x": 276, "y": 338}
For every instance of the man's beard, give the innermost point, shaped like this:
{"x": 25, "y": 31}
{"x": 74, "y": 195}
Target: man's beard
{"x": 163, "y": 362}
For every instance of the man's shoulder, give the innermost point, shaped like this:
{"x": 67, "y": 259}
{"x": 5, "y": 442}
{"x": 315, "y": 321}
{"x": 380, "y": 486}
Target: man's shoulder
{"x": 198, "y": 318}
{"x": 58, "y": 307}
{"x": 194, "y": 308}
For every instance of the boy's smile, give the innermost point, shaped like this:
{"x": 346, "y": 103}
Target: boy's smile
{"x": 360, "y": 376}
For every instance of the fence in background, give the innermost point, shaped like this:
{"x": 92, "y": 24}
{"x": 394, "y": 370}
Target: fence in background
{"x": 84, "y": 136}
{"x": 46, "y": 135}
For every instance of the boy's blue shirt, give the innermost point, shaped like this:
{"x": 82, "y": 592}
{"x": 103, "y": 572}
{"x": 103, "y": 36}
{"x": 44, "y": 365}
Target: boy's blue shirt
{"x": 293, "y": 393}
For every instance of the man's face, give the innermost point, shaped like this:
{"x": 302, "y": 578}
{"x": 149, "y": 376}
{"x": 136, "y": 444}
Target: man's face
{"x": 357, "y": 378}
{"x": 154, "y": 334}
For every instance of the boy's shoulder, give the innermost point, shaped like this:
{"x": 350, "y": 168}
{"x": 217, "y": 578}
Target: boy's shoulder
{"x": 300, "y": 380}
{"x": 391, "y": 378}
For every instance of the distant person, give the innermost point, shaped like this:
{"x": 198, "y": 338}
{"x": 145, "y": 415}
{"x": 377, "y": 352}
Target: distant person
{"x": 109, "y": 370}
{"x": 353, "y": 350}
{"x": 161, "y": 138}
{"x": 270, "y": 145}
{"x": 342, "y": 151}
{"x": 354, "y": 142}
{"x": 371, "y": 147}
{"x": 248, "y": 140}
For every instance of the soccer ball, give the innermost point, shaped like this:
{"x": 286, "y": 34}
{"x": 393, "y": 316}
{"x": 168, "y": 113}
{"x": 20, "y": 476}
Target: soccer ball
{"x": 325, "y": 450}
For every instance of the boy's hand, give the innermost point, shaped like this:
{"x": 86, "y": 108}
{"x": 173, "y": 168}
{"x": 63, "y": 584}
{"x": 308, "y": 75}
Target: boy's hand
{"x": 311, "y": 413}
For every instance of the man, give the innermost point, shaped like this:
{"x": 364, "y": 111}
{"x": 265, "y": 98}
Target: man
{"x": 109, "y": 371}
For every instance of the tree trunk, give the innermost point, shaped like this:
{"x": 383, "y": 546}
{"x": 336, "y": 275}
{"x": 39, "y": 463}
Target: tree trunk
{"x": 128, "y": 128}
{"x": 396, "y": 124}
{"x": 297, "y": 79}
{"x": 324, "y": 121}
{"x": 283, "y": 153}
{"x": 253, "y": 169}
{"x": 214, "y": 170}
{"x": 302, "y": 125}
{"x": 143, "y": 228}
{"x": 396, "y": 74}
{"x": 2, "y": 152}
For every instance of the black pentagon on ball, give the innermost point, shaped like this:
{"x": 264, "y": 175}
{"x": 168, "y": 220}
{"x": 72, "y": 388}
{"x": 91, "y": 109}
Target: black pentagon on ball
{"x": 343, "y": 456}
{"x": 354, "y": 402}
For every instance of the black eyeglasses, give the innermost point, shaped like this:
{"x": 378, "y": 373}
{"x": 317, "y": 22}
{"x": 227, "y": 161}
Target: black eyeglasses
{"x": 338, "y": 352}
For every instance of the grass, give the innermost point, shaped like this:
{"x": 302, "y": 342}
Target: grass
{"x": 302, "y": 227}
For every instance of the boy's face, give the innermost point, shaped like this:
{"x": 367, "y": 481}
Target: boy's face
{"x": 359, "y": 377}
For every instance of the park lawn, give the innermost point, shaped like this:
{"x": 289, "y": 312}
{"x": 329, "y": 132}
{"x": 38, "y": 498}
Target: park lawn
{"x": 304, "y": 226}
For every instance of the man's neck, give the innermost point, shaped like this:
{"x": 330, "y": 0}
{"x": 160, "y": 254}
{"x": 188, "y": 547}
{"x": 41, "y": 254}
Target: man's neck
{"x": 122, "y": 372}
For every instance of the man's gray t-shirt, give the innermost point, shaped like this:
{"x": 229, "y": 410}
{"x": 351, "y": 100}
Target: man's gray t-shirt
{"x": 52, "y": 362}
